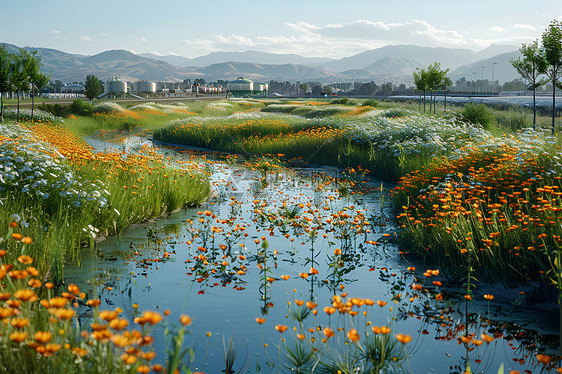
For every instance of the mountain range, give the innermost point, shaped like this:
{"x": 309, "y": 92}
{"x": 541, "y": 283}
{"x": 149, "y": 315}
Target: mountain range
{"x": 390, "y": 63}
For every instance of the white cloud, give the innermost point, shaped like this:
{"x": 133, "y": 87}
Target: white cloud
{"x": 87, "y": 38}
{"x": 234, "y": 39}
{"x": 523, "y": 26}
{"x": 340, "y": 39}
{"x": 55, "y": 32}
{"x": 102, "y": 34}
{"x": 497, "y": 29}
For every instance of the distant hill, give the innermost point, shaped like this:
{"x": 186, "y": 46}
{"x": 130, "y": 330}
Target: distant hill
{"x": 503, "y": 70}
{"x": 248, "y": 56}
{"x": 448, "y": 57}
{"x": 267, "y": 72}
{"x": 394, "y": 63}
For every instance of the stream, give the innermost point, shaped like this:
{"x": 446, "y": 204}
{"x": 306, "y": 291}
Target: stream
{"x": 224, "y": 265}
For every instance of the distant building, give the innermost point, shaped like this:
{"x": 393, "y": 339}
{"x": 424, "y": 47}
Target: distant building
{"x": 143, "y": 87}
{"x": 73, "y": 88}
{"x": 245, "y": 87}
{"x": 114, "y": 88}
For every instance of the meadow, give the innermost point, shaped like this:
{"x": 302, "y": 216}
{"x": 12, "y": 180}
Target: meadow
{"x": 476, "y": 202}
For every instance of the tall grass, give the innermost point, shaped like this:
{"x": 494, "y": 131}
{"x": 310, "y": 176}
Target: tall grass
{"x": 65, "y": 195}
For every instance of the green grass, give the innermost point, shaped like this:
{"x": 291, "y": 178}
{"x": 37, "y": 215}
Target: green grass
{"x": 65, "y": 203}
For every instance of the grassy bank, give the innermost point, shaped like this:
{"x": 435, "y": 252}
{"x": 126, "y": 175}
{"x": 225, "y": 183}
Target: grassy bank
{"x": 64, "y": 195}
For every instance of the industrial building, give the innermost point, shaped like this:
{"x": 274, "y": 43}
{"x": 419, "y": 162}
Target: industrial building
{"x": 245, "y": 87}
{"x": 144, "y": 88}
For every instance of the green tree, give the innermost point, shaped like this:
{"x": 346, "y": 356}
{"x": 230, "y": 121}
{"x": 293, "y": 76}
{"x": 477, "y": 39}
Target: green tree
{"x": 36, "y": 79}
{"x": 5, "y": 61}
{"x": 304, "y": 87}
{"x": 447, "y": 82}
{"x": 93, "y": 87}
{"x": 18, "y": 76}
{"x": 530, "y": 66}
{"x": 420, "y": 81}
{"x": 435, "y": 77}
{"x": 327, "y": 89}
{"x": 552, "y": 45}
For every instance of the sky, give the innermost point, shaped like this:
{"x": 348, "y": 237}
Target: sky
{"x": 310, "y": 28}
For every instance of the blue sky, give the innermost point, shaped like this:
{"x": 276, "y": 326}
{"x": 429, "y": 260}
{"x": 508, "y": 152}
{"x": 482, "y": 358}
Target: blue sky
{"x": 327, "y": 28}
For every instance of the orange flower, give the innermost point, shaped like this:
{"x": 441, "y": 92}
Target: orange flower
{"x": 381, "y": 303}
{"x": 402, "y": 338}
{"x": 285, "y": 277}
{"x": 94, "y": 302}
{"x": 260, "y": 320}
{"x": 329, "y": 310}
{"x": 118, "y": 324}
{"x": 19, "y": 323}
{"x": 26, "y": 295}
{"x": 488, "y": 297}
{"x": 311, "y": 305}
{"x": 487, "y": 338}
{"x": 73, "y": 289}
{"x": 185, "y": 320}
{"x": 108, "y": 315}
{"x": 18, "y": 336}
{"x": 385, "y": 330}
{"x": 281, "y": 328}
{"x": 353, "y": 335}
{"x": 328, "y": 332}
{"x": 43, "y": 336}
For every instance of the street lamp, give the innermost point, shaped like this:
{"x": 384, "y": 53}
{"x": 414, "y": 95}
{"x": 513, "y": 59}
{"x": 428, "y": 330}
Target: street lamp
{"x": 482, "y": 80}
{"x": 493, "y": 81}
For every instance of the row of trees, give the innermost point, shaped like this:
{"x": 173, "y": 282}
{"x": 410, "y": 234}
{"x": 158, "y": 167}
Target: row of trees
{"x": 431, "y": 79}
{"x": 20, "y": 72}
{"x": 541, "y": 62}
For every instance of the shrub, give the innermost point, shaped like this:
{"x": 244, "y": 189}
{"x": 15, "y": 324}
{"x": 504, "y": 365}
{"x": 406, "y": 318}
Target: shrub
{"x": 343, "y": 101}
{"x": 395, "y": 113}
{"x": 478, "y": 114}
{"x": 81, "y": 108}
{"x": 370, "y": 102}
{"x": 56, "y": 110}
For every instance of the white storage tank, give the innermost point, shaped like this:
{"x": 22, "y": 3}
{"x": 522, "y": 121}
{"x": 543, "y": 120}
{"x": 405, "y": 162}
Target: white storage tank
{"x": 115, "y": 86}
{"x": 146, "y": 87}
{"x": 241, "y": 84}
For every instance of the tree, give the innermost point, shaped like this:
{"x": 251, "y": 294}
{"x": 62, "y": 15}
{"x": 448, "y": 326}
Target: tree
{"x": 552, "y": 45}
{"x": 435, "y": 77}
{"x": 316, "y": 90}
{"x": 18, "y": 76}
{"x": 327, "y": 89}
{"x": 93, "y": 87}
{"x": 420, "y": 81}
{"x": 36, "y": 79}
{"x": 366, "y": 89}
{"x": 386, "y": 88}
{"x": 5, "y": 61}
{"x": 304, "y": 87}
{"x": 530, "y": 67}
{"x": 447, "y": 82}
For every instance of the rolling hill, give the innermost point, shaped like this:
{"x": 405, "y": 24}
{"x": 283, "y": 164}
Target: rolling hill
{"x": 393, "y": 63}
